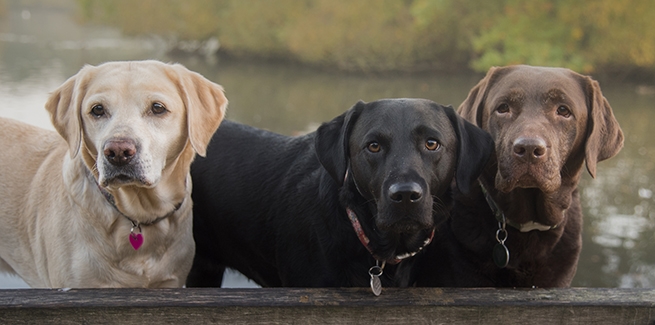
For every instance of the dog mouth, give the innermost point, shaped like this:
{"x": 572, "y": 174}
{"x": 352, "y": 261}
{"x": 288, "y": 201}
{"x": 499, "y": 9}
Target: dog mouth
{"x": 118, "y": 179}
{"x": 404, "y": 227}
{"x": 405, "y": 239}
{"x": 530, "y": 178}
{"x": 514, "y": 174}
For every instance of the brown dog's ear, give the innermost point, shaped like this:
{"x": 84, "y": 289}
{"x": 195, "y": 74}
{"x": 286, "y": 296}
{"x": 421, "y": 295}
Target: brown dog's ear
{"x": 205, "y": 104}
{"x": 64, "y": 106}
{"x": 472, "y": 108}
{"x": 604, "y": 135}
{"x": 331, "y": 142}
{"x": 474, "y": 151}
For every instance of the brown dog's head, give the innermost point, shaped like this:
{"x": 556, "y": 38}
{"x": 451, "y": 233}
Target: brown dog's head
{"x": 545, "y": 122}
{"x": 130, "y": 120}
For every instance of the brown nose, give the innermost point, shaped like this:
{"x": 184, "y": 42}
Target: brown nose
{"x": 119, "y": 152}
{"x": 530, "y": 148}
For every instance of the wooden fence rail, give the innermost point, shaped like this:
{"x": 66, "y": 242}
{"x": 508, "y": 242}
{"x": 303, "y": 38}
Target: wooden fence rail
{"x": 328, "y": 306}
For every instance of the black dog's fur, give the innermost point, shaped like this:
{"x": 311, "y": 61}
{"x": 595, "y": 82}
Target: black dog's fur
{"x": 273, "y": 206}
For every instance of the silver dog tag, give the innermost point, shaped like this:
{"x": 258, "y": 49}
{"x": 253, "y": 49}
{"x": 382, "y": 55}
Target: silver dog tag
{"x": 376, "y": 285}
{"x": 501, "y": 255}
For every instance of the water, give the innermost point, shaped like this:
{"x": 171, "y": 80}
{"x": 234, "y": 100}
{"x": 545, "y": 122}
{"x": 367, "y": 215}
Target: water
{"x": 41, "y": 47}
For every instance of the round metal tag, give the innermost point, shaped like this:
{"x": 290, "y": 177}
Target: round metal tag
{"x": 500, "y": 255}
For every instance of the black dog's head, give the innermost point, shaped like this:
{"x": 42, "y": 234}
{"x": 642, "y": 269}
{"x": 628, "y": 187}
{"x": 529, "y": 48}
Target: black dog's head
{"x": 396, "y": 159}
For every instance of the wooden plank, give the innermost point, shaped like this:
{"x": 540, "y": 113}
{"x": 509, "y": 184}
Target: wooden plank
{"x": 328, "y": 306}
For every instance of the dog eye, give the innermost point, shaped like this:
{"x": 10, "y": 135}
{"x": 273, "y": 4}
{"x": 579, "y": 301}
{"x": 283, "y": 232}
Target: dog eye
{"x": 158, "y": 108}
{"x": 432, "y": 144}
{"x": 98, "y": 110}
{"x": 373, "y": 147}
{"x": 563, "y": 111}
{"x": 503, "y": 108}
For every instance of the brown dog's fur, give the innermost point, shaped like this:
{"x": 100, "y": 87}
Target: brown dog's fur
{"x": 565, "y": 116}
{"x": 57, "y": 229}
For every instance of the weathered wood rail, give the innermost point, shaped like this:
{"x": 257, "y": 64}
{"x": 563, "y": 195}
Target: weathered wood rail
{"x": 328, "y": 306}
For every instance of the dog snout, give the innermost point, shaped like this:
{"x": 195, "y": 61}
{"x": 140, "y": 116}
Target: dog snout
{"x": 119, "y": 152}
{"x": 530, "y": 148}
{"x": 408, "y": 192}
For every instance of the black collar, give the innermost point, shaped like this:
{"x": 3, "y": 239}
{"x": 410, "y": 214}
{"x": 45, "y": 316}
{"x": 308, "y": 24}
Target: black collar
{"x": 112, "y": 201}
{"x": 135, "y": 224}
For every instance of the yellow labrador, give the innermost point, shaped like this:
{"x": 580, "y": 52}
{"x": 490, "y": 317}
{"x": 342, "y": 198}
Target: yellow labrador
{"x": 106, "y": 202}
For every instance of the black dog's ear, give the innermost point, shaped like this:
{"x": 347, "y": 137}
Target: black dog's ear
{"x": 475, "y": 149}
{"x": 331, "y": 142}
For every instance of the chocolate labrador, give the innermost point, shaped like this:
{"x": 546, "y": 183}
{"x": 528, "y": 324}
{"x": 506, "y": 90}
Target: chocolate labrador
{"x": 521, "y": 225}
{"x": 342, "y": 206}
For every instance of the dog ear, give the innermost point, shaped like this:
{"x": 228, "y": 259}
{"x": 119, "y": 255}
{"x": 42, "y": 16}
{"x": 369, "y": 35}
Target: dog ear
{"x": 472, "y": 108}
{"x": 474, "y": 151}
{"x": 64, "y": 106}
{"x": 331, "y": 142}
{"x": 205, "y": 105}
{"x": 604, "y": 135}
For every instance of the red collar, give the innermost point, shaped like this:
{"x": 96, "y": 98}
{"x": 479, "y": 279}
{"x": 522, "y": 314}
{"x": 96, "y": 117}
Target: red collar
{"x": 365, "y": 241}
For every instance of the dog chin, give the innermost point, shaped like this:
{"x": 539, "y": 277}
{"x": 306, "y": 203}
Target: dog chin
{"x": 546, "y": 184}
{"x": 120, "y": 180}
{"x": 408, "y": 245}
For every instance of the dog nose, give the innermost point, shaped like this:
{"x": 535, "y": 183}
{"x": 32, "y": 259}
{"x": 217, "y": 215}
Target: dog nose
{"x": 409, "y": 192}
{"x": 530, "y": 148}
{"x": 119, "y": 152}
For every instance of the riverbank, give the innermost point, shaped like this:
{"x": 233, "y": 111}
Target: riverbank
{"x": 613, "y": 39}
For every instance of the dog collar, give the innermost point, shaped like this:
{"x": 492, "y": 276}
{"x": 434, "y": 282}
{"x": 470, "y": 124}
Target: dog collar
{"x": 500, "y": 216}
{"x": 136, "y": 239}
{"x": 376, "y": 271}
{"x": 357, "y": 226}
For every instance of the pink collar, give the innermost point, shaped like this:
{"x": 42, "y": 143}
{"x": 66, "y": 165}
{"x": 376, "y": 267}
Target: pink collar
{"x": 365, "y": 240}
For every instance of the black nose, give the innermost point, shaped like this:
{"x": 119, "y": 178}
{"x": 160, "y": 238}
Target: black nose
{"x": 530, "y": 148}
{"x": 408, "y": 192}
{"x": 119, "y": 152}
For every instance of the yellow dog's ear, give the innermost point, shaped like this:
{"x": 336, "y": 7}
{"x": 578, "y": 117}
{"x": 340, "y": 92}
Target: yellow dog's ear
{"x": 604, "y": 135}
{"x": 205, "y": 104}
{"x": 64, "y": 106}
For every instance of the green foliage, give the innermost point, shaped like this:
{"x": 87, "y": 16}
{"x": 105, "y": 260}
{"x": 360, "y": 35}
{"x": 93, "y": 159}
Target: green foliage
{"x": 183, "y": 19}
{"x": 531, "y": 33}
{"x": 376, "y": 35}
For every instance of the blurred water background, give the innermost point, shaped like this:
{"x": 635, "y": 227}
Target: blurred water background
{"x": 42, "y": 43}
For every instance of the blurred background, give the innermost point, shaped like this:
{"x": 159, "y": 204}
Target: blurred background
{"x": 288, "y": 65}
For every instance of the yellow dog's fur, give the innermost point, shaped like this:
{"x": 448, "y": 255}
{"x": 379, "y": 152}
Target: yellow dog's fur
{"x": 57, "y": 229}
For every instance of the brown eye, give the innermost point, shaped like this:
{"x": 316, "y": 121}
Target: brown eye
{"x": 563, "y": 111}
{"x": 503, "y": 108}
{"x": 158, "y": 108}
{"x": 373, "y": 147}
{"x": 432, "y": 144}
{"x": 98, "y": 110}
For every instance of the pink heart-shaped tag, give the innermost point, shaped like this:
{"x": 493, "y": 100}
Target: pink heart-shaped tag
{"x": 136, "y": 240}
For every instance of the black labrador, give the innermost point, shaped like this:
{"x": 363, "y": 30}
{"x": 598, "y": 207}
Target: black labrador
{"x": 526, "y": 230}
{"x": 320, "y": 210}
